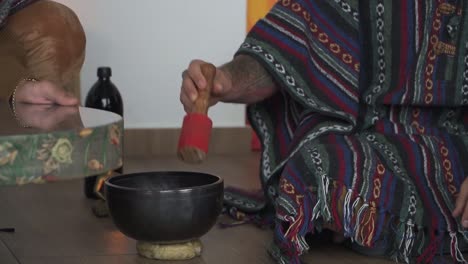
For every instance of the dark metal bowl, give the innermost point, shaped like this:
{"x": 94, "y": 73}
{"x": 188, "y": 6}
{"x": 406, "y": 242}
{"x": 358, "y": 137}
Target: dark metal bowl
{"x": 164, "y": 207}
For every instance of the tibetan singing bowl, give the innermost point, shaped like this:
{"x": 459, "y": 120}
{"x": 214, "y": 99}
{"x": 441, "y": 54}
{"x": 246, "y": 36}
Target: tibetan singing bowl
{"x": 164, "y": 207}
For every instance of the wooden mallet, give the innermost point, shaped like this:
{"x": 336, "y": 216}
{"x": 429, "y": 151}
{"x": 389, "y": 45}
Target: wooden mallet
{"x": 196, "y": 128}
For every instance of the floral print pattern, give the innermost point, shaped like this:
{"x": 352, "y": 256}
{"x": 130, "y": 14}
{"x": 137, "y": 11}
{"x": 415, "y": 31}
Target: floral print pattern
{"x": 7, "y": 154}
{"x": 54, "y": 153}
{"x": 42, "y": 158}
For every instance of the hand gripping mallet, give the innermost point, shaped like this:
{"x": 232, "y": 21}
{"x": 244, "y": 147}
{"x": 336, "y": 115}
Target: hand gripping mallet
{"x": 196, "y": 128}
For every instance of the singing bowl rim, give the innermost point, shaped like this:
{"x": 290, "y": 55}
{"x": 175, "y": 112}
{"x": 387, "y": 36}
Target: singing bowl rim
{"x": 203, "y": 188}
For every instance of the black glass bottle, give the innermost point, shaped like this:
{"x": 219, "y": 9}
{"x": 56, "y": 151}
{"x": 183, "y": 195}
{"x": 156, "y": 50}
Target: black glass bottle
{"x": 103, "y": 95}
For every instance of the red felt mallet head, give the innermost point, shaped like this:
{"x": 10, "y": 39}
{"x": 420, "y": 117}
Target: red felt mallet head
{"x": 196, "y": 129}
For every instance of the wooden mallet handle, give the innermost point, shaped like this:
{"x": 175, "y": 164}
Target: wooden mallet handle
{"x": 202, "y": 103}
{"x": 196, "y": 129}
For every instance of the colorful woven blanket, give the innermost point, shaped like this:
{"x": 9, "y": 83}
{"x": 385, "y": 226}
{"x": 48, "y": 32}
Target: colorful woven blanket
{"x": 369, "y": 131}
{"x": 9, "y": 7}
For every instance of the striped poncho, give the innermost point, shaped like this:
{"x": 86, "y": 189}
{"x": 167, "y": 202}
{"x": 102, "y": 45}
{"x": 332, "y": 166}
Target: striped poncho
{"x": 368, "y": 131}
{"x": 9, "y": 7}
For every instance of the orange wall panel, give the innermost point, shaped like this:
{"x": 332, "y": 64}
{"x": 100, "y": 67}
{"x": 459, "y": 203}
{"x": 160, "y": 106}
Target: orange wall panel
{"x": 257, "y": 9}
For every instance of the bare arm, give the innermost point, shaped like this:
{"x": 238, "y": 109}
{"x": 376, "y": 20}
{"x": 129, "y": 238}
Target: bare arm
{"x": 242, "y": 80}
{"x": 250, "y": 81}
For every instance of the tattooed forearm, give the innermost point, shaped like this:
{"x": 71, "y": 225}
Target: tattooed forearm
{"x": 250, "y": 81}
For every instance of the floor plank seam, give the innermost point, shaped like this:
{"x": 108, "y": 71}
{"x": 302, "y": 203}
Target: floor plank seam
{"x": 10, "y": 250}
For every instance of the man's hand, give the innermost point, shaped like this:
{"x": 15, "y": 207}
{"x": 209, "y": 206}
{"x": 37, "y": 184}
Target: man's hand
{"x": 43, "y": 92}
{"x": 461, "y": 205}
{"x": 242, "y": 80}
{"x": 193, "y": 81}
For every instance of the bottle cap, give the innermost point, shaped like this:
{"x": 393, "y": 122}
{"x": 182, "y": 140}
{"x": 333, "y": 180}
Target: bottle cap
{"x": 104, "y": 72}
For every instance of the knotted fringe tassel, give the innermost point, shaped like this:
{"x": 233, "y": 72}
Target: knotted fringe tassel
{"x": 316, "y": 211}
{"x": 294, "y": 236}
{"x": 408, "y": 240}
{"x": 353, "y": 209}
{"x": 455, "y": 250}
{"x": 405, "y": 246}
{"x": 298, "y": 228}
{"x": 293, "y": 229}
{"x": 358, "y": 223}
{"x": 285, "y": 249}
{"x": 347, "y": 213}
{"x": 325, "y": 184}
{"x": 368, "y": 227}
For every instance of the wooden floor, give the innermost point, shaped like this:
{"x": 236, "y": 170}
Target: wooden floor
{"x": 54, "y": 224}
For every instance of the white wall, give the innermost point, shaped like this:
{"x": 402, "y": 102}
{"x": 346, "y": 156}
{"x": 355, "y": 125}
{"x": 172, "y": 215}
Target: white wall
{"x": 148, "y": 43}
